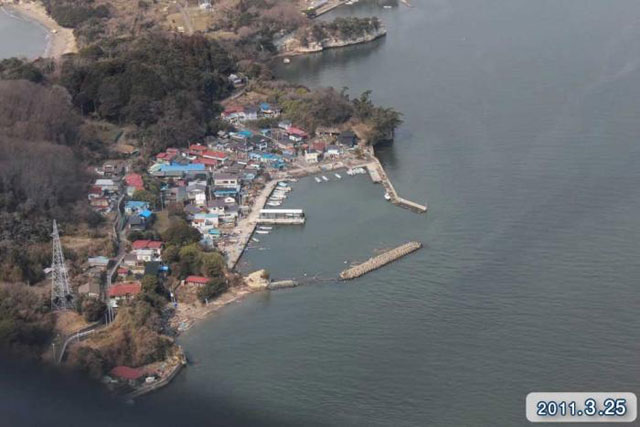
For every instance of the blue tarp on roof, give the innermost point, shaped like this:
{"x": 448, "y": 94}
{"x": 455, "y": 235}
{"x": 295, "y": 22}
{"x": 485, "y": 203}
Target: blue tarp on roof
{"x": 146, "y": 213}
{"x": 192, "y": 167}
{"x": 246, "y": 133}
{"x": 265, "y": 106}
{"x": 135, "y": 204}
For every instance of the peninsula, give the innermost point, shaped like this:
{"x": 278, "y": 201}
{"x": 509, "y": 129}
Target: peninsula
{"x": 166, "y": 147}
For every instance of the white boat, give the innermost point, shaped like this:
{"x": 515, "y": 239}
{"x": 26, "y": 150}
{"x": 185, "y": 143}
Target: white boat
{"x": 318, "y": 180}
{"x": 274, "y": 203}
{"x": 337, "y": 175}
{"x": 387, "y": 196}
{"x": 283, "y": 184}
{"x": 262, "y": 232}
{"x": 255, "y": 240}
{"x": 325, "y": 178}
{"x": 286, "y": 60}
{"x": 387, "y": 6}
{"x": 263, "y": 227}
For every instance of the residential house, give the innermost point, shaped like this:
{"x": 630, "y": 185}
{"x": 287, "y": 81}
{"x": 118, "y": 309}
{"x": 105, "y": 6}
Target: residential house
{"x": 98, "y": 261}
{"x": 348, "y": 138}
{"x": 137, "y": 223}
{"x": 147, "y": 250}
{"x": 311, "y": 156}
{"x": 113, "y": 168}
{"x": 216, "y": 207}
{"x": 95, "y": 192}
{"x": 196, "y": 280}
{"x": 251, "y": 113}
{"x": 218, "y": 156}
{"x": 204, "y": 222}
{"x": 197, "y": 193}
{"x": 236, "y": 80}
{"x": 90, "y": 289}
{"x": 107, "y": 186}
{"x": 175, "y": 195}
{"x": 124, "y": 291}
{"x": 101, "y": 203}
{"x": 130, "y": 260}
{"x": 296, "y": 134}
{"x": 225, "y": 180}
{"x": 333, "y": 151}
{"x": 284, "y": 124}
{"x": 134, "y": 183}
{"x": 135, "y": 206}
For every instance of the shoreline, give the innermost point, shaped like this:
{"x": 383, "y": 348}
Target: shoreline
{"x": 60, "y": 40}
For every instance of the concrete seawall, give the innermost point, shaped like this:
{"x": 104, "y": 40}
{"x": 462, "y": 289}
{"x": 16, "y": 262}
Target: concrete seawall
{"x": 380, "y": 260}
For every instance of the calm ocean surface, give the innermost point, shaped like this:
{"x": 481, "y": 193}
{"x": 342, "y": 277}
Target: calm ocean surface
{"x": 20, "y": 37}
{"x": 521, "y": 131}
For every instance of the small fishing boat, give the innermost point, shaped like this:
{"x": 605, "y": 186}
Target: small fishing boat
{"x": 255, "y": 240}
{"x": 318, "y": 180}
{"x": 387, "y": 196}
{"x": 274, "y": 203}
{"x": 337, "y": 175}
{"x": 283, "y": 184}
{"x": 263, "y": 227}
{"x": 262, "y": 232}
{"x": 386, "y": 6}
{"x": 286, "y": 60}
{"x": 325, "y": 178}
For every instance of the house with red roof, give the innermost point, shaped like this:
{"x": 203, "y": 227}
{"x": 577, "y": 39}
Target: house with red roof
{"x": 147, "y": 250}
{"x": 233, "y": 113}
{"x": 197, "y": 148}
{"x": 196, "y": 280}
{"x": 124, "y": 291}
{"x": 296, "y": 134}
{"x": 210, "y": 164}
{"x": 134, "y": 183}
{"x": 218, "y": 156}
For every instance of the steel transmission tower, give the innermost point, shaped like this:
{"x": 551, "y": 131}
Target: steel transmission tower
{"x": 61, "y": 298}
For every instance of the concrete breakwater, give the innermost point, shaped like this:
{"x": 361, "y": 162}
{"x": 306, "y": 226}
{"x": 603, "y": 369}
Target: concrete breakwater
{"x": 380, "y": 260}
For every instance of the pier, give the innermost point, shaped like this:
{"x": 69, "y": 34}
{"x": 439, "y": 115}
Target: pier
{"x": 378, "y": 175}
{"x": 380, "y": 260}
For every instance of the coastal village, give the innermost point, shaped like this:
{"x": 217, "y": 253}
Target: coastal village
{"x": 229, "y": 188}
{"x": 224, "y": 191}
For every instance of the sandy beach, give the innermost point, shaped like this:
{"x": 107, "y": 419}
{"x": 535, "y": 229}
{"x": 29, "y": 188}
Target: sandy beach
{"x": 60, "y": 40}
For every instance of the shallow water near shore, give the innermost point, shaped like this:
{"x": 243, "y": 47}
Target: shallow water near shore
{"x": 20, "y": 36}
{"x": 521, "y": 130}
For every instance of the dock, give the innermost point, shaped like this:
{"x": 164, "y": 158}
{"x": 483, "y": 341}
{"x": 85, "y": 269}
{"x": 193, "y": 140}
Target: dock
{"x": 380, "y": 260}
{"x": 378, "y": 175}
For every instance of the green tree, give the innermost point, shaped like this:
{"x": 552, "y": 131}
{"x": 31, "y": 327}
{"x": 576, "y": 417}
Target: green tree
{"x": 215, "y": 287}
{"x": 180, "y": 233}
{"x": 150, "y": 284}
{"x": 93, "y": 309}
{"x": 212, "y": 264}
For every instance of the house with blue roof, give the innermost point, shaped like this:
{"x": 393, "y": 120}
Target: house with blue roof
{"x": 135, "y": 206}
{"x": 177, "y": 170}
